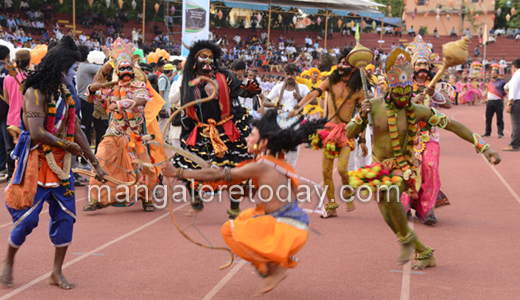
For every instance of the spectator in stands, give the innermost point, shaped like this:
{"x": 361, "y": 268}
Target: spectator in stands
{"x": 388, "y": 30}
{"x": 453, "y": 33}
{"x": 510, "y": 34}
{"x": 286, "y": 25}
{"x": 253, "y": 24}
{"x": 24, "y": 6}
{"x": 468, "y": 33}
{"x": 237, "y": 39}
{"x": 47, "y": 17}
{"x": 119, "y": 25}
{"x": 411, "y": 32}
{"x": 38, "y": 14}
{"x": 517, "y": 37}
{"x": 397, "y": 31}
{"x": 9, "y": 6}
{"x": 225, "y": 41}
{"x": 477, "y": 51}
{"x": 378, "y": 29}
{"x": 140, "y": 17}
{"x": 436, "y": 33}
{"x": 11, "y": 24}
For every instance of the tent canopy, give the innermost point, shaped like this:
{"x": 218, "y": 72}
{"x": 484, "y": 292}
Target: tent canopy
{"x": 363, "y": 8}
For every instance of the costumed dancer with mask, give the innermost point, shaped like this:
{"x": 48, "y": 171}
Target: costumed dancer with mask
{"x": 51, "y": 134}
{"x": 395, "y": 126}
{"x": 345, "y": 92}
{"x": 215, "y": 130}
{"x": 124, "y": 140}
{"x": 270, "y": 234}
{"x": 426, "y": 146}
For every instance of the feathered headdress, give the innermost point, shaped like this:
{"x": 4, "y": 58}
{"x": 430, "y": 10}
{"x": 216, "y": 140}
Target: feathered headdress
{"x": 399, "y": 69}
{"x": 420, "y": 51}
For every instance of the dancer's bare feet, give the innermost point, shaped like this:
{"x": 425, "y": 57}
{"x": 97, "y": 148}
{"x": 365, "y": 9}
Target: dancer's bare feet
{"x": 6, "y": 277}
{"x": 276, "y": 275}
{"x": 61, "y": 281}
{"x": 332, "y": 213}
{"x": 351, "y": 206}
{"x": 423, "y": 264}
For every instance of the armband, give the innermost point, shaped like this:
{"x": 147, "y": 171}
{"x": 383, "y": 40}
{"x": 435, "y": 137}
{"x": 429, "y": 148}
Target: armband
{"x": 35, "y": 114}
{"x": 180, "y": 171}
{"x": 227, "y": 174}
{"x": 438, "y": 98}
{"x": 125, "y": 104}
{"x": 480, "y": 144}
{"x": 438, "y": 119}
{"x": 362, "y": 140}
{"x": 320, "y": 91}
{"x": 359, "y": 120}
{"x": 64, "y": 144}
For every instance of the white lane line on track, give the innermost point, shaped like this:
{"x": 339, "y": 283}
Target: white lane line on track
{"x": 508, "y": 187}
{"x": 504, "y": 182}
{"x": 224, "y": 280}
{"x": 405, "y": 283}
{"x": 42, "y": 212}
{"x": 82, "y": 257}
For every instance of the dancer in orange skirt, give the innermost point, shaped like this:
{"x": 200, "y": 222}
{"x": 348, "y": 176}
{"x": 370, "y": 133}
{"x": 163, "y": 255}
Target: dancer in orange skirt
{"x": 271, "y": 234}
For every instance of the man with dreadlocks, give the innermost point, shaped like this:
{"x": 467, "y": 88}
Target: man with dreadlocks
{"x": 395, "y": 117}
{"x": 51, "y": 134}
{"x": 215, "y": 130}
{"x": 345, "y": 91}
{"x": 271, "y": 234}
{"x": 124, "y": 139}
{"x": 426, "y": 145}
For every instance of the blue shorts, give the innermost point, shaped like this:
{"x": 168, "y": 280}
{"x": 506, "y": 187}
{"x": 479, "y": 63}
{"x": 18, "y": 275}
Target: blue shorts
{"x": 62, "y": 210}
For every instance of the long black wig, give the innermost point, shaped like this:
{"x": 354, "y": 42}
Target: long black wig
{"x": 47, "y": 75}
{"x": 285, "y": 139}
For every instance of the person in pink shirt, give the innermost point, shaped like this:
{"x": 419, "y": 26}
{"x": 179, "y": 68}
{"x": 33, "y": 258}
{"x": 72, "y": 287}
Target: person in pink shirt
{"x": 12, "y": 94}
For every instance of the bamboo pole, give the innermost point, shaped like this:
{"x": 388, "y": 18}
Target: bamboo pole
{"x": 144, "y": 19}
{"x": 73, "y": 17}
{"x": 268, "y": 27}
{"x": 326, "y": 25}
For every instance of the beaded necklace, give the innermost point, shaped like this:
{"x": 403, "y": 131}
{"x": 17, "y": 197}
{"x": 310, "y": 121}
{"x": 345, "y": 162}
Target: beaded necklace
{"x": 63, "y": 174}
{"x": 405, "y": 160}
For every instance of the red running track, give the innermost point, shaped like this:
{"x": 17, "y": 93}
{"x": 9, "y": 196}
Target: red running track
{"x": 121, "y": 253}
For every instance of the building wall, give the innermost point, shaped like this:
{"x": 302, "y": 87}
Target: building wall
{"x": 443, "y": 25}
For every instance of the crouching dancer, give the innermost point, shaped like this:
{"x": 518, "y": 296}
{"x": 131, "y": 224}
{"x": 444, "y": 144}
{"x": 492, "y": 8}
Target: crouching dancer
{"x": 269, "y": 235}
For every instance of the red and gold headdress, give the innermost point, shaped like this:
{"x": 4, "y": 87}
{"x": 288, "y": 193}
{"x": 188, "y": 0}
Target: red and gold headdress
{"x": 420, "y": 51}
{"x": 121, "y": 52}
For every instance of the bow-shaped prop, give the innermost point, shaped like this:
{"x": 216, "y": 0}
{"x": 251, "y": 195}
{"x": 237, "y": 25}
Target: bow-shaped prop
{"x": 135, "y": 165}
{"x": 187, "y": 154}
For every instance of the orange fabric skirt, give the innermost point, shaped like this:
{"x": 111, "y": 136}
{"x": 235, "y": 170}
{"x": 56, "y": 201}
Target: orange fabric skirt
{"x": 113, "y": 149}
{"x": 262, "y": 239}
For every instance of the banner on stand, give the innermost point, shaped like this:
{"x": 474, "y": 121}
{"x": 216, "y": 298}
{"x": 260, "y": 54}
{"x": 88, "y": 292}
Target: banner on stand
{"x": 195, "y": 22}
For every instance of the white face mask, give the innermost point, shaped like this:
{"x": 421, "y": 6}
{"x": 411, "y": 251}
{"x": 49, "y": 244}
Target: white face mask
{"x": 69, "y": 76}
